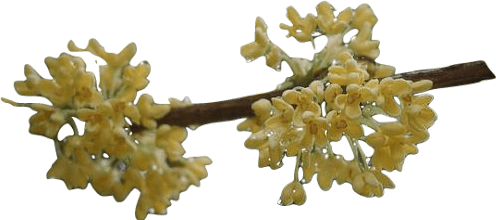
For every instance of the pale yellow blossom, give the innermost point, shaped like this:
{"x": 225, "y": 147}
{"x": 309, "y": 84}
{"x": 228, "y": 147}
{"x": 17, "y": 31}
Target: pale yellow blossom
{"x": 363, "y": 15}
{"x": 293, "y": 193}
{"x": 302, "y": 28}
{"x": 305, "y": 100}
{"x": 150, "y": 111}
{"x": 371, "y": 183}
{"x": 262, "y": 109}
{"x": 316, "y": 130}
{"x": 348, "y": 71}
{"x": 350, "y": 102}
{"x": 331, "y": 92}
{"x": 326, "y": 21}
{"x": 47, "y": 120}
{"x": 362, "y": 43}
{"x": 417, "y": 114}
{"x": 170, "y": 138}
{"x": 28, "y": 87}
{"x": 391, "y": 146}
{"x": 388, "y": 89}
{"x": 340, "y": 124}
{"x": 257, "y": 48}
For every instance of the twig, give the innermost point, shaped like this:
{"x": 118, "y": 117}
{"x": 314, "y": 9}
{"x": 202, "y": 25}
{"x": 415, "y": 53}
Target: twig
{"x": 200, "y": 114}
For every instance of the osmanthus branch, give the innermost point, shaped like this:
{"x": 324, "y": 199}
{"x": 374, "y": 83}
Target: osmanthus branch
{"x": 205, "y": 113}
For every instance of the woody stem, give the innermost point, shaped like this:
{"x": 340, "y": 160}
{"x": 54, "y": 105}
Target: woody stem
{"x": 205, "y": 113}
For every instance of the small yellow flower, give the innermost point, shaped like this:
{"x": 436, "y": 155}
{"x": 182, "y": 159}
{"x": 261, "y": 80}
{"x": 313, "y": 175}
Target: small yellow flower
{"x": 96, "y": 119}
{"x": 391, "y": 145}
{"x": 72, "y": 174}
{"x": 28, "y": 87}
{"x": 327, "y": 22}
{"x": 170, "y": 138}
{"x": 86, "y": 93}
{"x": 348, "y": 71}
{"x": 341, "y": 124}
{"x": 363, "y": 14}
{"x": 260, "y": 46}
{"x": 316, "y": 130}
{"x": 302, "y": 28}
{"x": 417, "y": 114}
{"x": 362, "y": 44}
{"x": 331, "y": 92}
{"x": 306, "y": 100}
{"x": 293, "y": 193}
{"x": 262, "y": 109}
{"x": 350, "y": 102}
{"x": 328, "y": 168}
{"x": 136, "y": 76}
{"x": 273, "y": 57}
{"x": 46, "y": 122}
{"x": 150, "y": 111}
{"x": 388, "y": 89}
{"x": 371, "y": 183}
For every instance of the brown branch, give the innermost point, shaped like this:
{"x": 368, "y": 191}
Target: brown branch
{"x": 200, "y": 114}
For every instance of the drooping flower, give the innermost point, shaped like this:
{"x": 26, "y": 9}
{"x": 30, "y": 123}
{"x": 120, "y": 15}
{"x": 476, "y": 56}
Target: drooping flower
{"x": 371, "y": 183}
{"x": 293, "y": 193}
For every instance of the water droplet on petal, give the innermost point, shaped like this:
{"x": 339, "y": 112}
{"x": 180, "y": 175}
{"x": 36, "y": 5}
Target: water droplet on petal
{"x": 249, "y": 60}
{"x": 279, "y": 202}
{"x": 193, "y": 127}
{"x": 151, "y": 211}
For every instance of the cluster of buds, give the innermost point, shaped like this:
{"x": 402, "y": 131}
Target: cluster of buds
{"x": 305, "y": 121}
{"x": 108, "y": 155}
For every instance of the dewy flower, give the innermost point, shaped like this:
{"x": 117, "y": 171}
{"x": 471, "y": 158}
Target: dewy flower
{"x": 259, "y": 47}
{"x": 391, "y": 146}
{"x": 274, "y": 57}
{"x": 293, "y": 193}
{"x": 341, "y": 124}
{"x": 302, "y": 28}
{"x": 326, "y": 21}
{"x": 350, "y": 102}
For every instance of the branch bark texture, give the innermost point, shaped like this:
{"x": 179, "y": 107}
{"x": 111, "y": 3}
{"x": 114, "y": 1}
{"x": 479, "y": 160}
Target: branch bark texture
{"x": 205, "y": 113}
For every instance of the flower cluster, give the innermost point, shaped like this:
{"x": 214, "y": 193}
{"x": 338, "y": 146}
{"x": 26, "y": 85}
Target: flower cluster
{"x": 109, "y": 156}
{"x": 305, "y": 122}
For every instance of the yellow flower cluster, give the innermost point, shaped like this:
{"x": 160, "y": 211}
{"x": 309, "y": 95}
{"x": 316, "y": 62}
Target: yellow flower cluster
{"x": 304, "y": 122}
{"x": 325, "y": 23}
{"x": 109, "y": 156}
